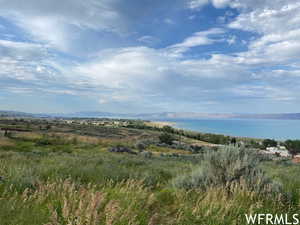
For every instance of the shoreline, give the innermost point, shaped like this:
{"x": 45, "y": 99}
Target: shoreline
{"x": 175, "y": 126}
{"x": 161, "y": 124}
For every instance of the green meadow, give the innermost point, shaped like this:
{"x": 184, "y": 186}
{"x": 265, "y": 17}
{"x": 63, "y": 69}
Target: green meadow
{"x": 55, "y": 173}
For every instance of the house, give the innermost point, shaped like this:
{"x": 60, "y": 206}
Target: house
{"x": 282, "y": 147}
{"x": 278, "y": 150}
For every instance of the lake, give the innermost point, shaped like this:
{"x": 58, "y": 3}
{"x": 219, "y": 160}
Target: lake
{"x": 256, "y": 128}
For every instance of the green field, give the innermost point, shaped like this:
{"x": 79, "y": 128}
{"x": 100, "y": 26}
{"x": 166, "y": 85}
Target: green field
{"x": 56, "y": 173}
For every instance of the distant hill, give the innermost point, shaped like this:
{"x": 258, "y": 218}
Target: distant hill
{"x": 155, "y": 116}
{"x": 15, "y": 114}
{"x": 289, "y": 116}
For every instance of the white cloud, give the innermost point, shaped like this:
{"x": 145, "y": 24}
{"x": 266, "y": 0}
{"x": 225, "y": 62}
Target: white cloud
{"x": 103, "y": 101}
{"x": 137, "y": 73}
{"x": 19, "y": 90}
{"x": 124, "y": 68}
{"x": 192, "y": 17}
{"x": 284, "y": 73}
{"x": 193, "y": 4}
{"x": 20, "y": 60}
{"x": 272, "y": 17}
{"x": 157, "y": 76}
{"x": 94, "y": 14}
{"x": 197, "y": 39}
{"x": 196, "y": 4}
{"x": 220, "y": 3}
{"x": 277, "y": 23}
{"x": 264, "y": 92}
{"x": 169, "y": 21}
{"x": 22, "y": 50}
{"x": 200, "y": 38}
{"x": 58, "y": 22}
{"x": 46, "y": 30}
{"x": 150, "y": 40}
{"x": 231, "y": 40}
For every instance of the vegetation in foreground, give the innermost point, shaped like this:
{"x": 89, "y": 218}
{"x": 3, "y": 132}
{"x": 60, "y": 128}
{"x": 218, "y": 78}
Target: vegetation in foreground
{"x": 62, "y": 175}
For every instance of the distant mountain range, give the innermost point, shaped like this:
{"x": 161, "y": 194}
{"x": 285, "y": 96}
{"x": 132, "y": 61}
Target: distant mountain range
{"x": 20, "y": 114}
{"x": 155, "y": 116}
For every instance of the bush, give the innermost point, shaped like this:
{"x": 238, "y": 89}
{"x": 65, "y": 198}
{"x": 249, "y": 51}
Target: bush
{"x": 224, "y": 168}
{"x": 121, "y": 149}
{"x": 141, "y": 146}
{"x": 166, "y": 138}
{"x": 293, "y": 146}
{"x": 269, "y": 143}
{"x": 168, "y": 129}
{"x": 44, "y": 141}
{"x": 147, "y": 154}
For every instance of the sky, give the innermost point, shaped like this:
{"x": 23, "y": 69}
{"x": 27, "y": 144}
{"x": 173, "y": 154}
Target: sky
{"x": 139, "y": 56}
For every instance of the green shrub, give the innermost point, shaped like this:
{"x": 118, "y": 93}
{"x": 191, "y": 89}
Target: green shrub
{"x": 166, "y": 138}
{"x": 141, "y": 146}
{"x": 225, "y": 168}
{"x": 147, "y": 154}
{"x": 43, "y": 141}
{"x": 168, "y": 129}
{"x": 269, "y": 143}
{"x": 293, "y": 146}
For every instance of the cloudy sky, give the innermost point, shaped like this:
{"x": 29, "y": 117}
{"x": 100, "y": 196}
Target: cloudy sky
{"x": 150, "y": 55}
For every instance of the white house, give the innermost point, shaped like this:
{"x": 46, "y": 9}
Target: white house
{"x": 279, "y": 150}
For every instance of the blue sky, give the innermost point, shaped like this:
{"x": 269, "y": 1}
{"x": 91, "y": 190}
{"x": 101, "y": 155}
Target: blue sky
{"x": 210, "y": 56}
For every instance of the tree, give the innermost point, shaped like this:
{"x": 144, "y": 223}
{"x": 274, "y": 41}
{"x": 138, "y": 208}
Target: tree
{"x": 233, "y": 141}
{"x": 227, "y": 167}
{"x": 168, "y": 129}
{"x": 166, "y": 138}
{"x": 269, "y": 143}
{"x": 5, "y": 133}
{"x": 140, "y": 146}
{"x": 293, "y": 147}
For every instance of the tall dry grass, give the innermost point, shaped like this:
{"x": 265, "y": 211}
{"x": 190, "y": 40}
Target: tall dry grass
{"x": 44, "y": 184}
{"x": 130, "y": 202}
{"x": 6, "y": 142}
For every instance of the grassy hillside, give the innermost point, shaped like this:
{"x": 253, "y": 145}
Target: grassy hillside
{"x": 58, "y": 173}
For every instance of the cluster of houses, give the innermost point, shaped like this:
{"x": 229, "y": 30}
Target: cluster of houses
{"x": 279, "y": 150}
{"x": 107, "y": 123}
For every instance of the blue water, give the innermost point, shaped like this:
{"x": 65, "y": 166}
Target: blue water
{"x": 256, "y": 128}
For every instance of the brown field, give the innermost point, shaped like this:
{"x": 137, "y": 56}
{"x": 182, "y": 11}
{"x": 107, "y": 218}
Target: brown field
{"x": 6, "y": 142}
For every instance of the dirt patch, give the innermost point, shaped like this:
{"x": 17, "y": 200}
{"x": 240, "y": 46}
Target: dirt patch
{"x": 296, "y": 160}
{"x": 6, "y": 142}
